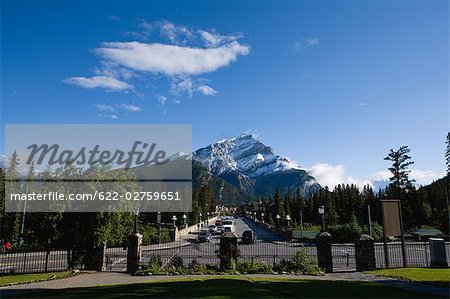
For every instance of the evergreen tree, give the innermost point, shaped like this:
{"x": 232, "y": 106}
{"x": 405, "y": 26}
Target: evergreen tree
{"x": 279, "y": 208}
{"x": 400, "y": 181}
{"x": 401, "y": 185}
{"x": 288, "y": 203}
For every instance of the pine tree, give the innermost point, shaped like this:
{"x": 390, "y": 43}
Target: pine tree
{"x": 288, "y": 203}
{"x": 401, "y": 185}
{"x": 279, "y": 209}
{"x": 400, "y": 181}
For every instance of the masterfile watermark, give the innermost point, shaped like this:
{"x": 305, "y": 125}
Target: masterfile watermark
{"x": 84, "y": 156}
{"x": 98, "y": 168}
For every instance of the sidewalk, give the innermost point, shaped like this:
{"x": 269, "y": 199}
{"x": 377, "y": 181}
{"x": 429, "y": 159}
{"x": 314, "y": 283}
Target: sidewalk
{"x": 112, "y": 278}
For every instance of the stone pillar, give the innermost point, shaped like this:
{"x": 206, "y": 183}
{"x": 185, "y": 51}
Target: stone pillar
{"x": 323, "y": 243}
{"x": 289, "y": 232}
{"x": 173, "y": 234}
{"x": 228, "y": 250}
{"x": 365, "y": 253}
{"x": 102, "y": 257}
{"x": 437, "y": 253}
{"x": 134, "y": 252}
{"x": 95, "y": 258}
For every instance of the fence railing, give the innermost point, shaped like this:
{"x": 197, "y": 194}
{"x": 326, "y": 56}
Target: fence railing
{"x": 267, "y": 251}
{"x": 417, "y": 254}
{"x": 33, "y": 262}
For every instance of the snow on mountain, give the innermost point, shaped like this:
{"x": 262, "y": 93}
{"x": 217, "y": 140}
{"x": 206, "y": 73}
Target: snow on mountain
{"x": 244, "y": 154}
{"x": 248, "y": 164}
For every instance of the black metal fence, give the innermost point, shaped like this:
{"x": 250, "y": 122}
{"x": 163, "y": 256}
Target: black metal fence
{"x": 33, "y": 262}
{"x": 417, "y": 254}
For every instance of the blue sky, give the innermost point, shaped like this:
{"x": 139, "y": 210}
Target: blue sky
{"x": 332, "y": 85}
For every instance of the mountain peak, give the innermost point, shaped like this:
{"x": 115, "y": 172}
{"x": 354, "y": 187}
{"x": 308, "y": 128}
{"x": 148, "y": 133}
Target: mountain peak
{"x": 245, "y": 154}
{"x": 245, "y": 162}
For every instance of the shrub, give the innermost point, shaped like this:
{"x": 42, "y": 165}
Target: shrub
{"x": 154, "y": 266}
{"x": 251, "y": 267}
{"x": 345, "y": 233}
{"x": 305, "y": 264}
{"x": 377, "y": 231}
{"x": 177, "y": 262}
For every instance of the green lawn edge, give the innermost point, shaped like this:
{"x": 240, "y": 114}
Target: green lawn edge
{"x": 15, "y": 279}
{"x": 232, "y": 287}
{"x": 435, "y": 276}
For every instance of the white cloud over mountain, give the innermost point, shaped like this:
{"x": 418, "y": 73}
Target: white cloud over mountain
{"x": 332, "y": 175}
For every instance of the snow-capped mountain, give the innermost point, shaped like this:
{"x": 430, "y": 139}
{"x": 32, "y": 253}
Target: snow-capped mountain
{"x": 247, "y": 163}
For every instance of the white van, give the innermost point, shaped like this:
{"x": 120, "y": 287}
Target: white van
{"x": 228, "y": 225}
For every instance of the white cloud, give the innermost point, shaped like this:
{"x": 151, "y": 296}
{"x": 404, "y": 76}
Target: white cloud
{"x": 206, "y": 90}
{"x": 130, "y": 107}
{"x": 175, "y": 34}
{"x": 331, "y": 176}
{"x": 161, "y": 99}
{"x": 114, "y": 18}
{"x": 182, "y": 85}
{"x": 104, "y": 82}
{"x": 183, "y": 55}
{"x": 169, "y": 59}
{"x": 306, "y": 43}
{"x": 312, "y": 41}
{"x": 112, "y": 116}
{"x": 425, "y": 177}
{"x": 102, "y": 107}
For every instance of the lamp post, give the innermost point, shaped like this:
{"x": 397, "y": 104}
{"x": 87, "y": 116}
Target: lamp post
{"x": 174, "y": 219}
{"x": 288, "y": 219}
{"x": 262, "y": 217}
{"x": 200, "y": 215}
{"x": 23, "y": 184}
{"x": 136, "y": 214}
{"x": 184, "y": 220}
{"x": 278, "y": 219}
{"x": 254, "y": 216}
{"x": 301, "y": 224}
{"x": 322, "y": 213}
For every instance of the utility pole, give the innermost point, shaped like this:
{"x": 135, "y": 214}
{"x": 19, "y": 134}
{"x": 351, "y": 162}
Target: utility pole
{"x": 370, "y": 220}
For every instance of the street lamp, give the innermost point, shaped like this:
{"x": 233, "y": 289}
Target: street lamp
{"x": 278, "y": 219}
{"x": 184, "y": 219}
{"x": 288, "y": 218}
{"x": 136, "y": 213}
{"x": 174, "y": 219}
{"x": 322, "y": 213}
{"x": 262, "y": 217}
{"x": 301, "y": 224}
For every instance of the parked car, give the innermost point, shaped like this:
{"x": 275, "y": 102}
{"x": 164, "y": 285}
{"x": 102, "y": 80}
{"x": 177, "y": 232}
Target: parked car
{"x": 248, "y": 237}
{"x": 218, "y": 222}
{"x": 204, "y": 236}
{"x": 212, "y": 228}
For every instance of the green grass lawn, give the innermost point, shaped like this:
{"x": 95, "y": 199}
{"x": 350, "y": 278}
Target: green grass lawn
{"x": 27, "y": 278}
{"x": 234, "y": 287}
{"x": 439, "y": 277}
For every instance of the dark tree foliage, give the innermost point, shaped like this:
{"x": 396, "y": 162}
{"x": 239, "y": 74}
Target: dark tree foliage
{"x": 400, "y": 181}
